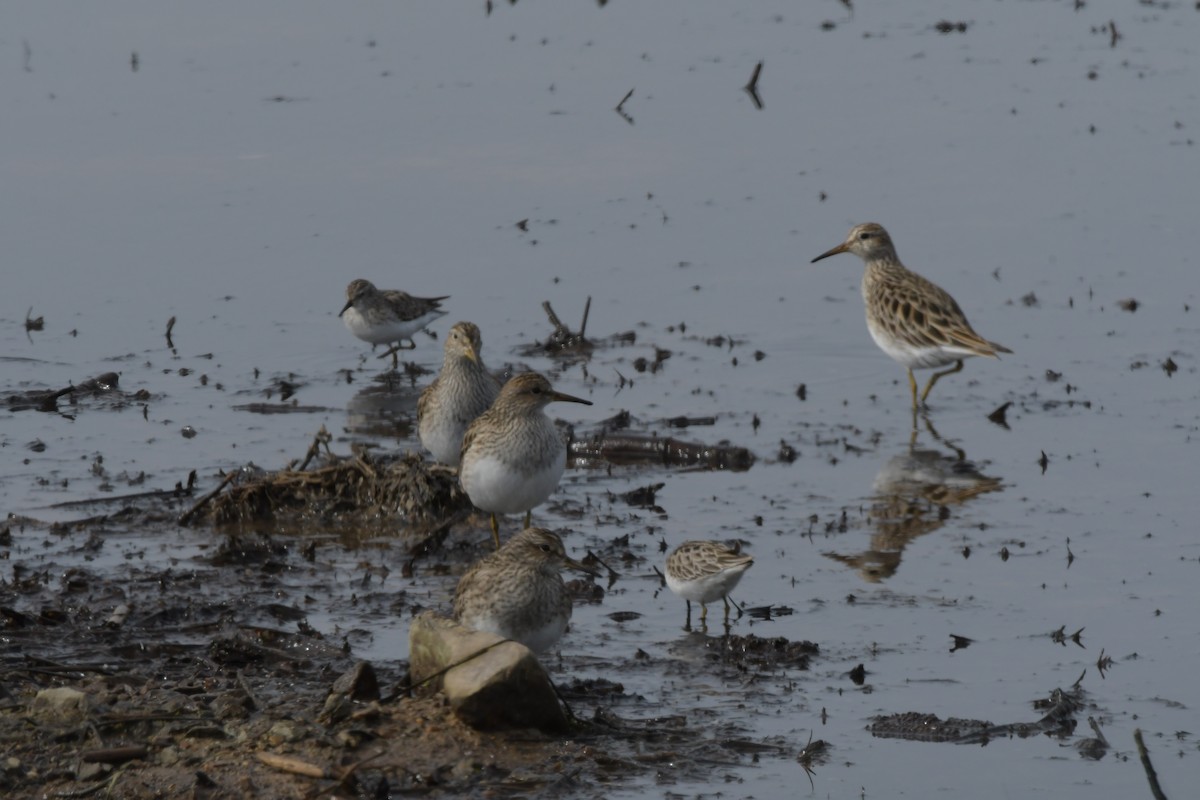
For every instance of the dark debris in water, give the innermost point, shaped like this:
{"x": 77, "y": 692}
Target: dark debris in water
{"x": 1058, "y": 709}
{"x": 104, "y": 387}
{"x": 631, "y": 448}
{"x": 360, "y": 486}
{"x": 946, "y": 26}
{"x": 643, "y": 497}
{"x": 757, "y": 651}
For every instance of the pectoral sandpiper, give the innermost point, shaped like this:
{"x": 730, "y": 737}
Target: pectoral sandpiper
{"x": 517, "y": 592}
{"x": 461, "y": 392}
{"x": 513, "y": 455}
{"x": 912, "y": 319}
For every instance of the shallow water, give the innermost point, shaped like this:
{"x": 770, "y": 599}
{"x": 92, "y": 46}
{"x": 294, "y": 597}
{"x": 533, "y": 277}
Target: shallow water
{"x": 259, "y": 159}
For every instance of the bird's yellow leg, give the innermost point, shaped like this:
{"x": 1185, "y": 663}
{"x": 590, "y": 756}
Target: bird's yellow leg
{"x": 912, "y": 384}
{"x": 495, "y": 531}
{"x": 528, "y": 517}
{"x": 958, "y": 365}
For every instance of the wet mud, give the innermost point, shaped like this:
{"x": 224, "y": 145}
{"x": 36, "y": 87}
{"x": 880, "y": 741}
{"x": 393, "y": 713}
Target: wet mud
{"x": 206, "y": 678}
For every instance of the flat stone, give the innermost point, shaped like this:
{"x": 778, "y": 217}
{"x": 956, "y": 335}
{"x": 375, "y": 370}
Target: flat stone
{"x": 490, "y": 683}
{"x": 62, "y": 701}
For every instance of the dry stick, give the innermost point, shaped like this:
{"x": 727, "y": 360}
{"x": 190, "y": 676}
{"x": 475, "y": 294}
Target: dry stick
{"x": 114, "y": 755}
{"x": 620, "y": 109}
{"x": 1151, "y": 775}
{"x": 449, "y": 667}
{"x": 292, "y": 765}
{"x": 751, "y": 88}
{"x": 170, "y": 326}
{"x": 587, "y": 307}
{"x": 203, "y": 501}
{"x": 554, "y": 320}
{"x": 108, "y": 783}
{"x": 320, "y": 437}
{"x": 121, "y": 498}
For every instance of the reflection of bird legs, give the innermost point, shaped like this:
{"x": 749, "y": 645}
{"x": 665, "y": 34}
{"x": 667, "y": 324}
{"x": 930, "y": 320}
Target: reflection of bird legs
{"x": 962, "y": 454}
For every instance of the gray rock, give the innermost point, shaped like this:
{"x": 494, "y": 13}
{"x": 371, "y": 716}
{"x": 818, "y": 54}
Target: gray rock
{"x": 350, "y": 692}
{"x": 490, "y": 683}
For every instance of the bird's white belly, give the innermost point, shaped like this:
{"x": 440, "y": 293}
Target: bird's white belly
{"x": 494, "y": 485}
{"x": 444, "y": 442}
{"x": 708, "y": 588}
{"x": 916, "y": 356}
{"x": 538, "y": 638}
{"x": 382, "y": 331}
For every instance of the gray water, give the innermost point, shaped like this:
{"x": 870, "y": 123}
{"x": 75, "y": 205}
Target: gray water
{"x": 259, "y": 158}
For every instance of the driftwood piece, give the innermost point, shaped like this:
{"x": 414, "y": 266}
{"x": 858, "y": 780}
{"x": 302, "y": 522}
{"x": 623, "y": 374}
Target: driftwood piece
{"x": 1151, "y": 775}
{"x": 292, "y": 765}
{"x": 751, "y": 88}
{"x": 114, "y": 755}
{"x": 47, "y": 400}
{"x": 631, "y": 448}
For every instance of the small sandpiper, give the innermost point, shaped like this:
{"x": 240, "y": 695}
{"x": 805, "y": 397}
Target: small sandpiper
{"x": 513, "y": 455}
{"x": 517, "y": 592}
{"x": 913, "y": 320}
{"x": 386, "y": 316}
{"x": 705, "y": 571}
{"x": 461, "y": 392}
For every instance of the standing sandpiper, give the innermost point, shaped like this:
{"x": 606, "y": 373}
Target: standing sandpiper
{"x": 705, "y": 571}
{"x": 464, "y": 390}
{"x": 513, "y": 455}
{"x": 517, "y": 592}
{"x": 913, "y": 320}
{"x": 383, "y": 317}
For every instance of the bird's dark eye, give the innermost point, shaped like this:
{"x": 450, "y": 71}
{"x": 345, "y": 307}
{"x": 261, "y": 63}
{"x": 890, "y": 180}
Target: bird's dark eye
{"x": 536, "y": 390}
{"x": 545, "y": 548}
{"x": 864, "y": 235}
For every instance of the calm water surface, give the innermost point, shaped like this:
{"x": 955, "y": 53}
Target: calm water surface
{"x": 260, "y": 158}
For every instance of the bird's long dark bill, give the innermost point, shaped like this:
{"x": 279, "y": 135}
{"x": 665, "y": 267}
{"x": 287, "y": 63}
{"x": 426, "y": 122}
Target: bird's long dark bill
{"x": 351, "y": 302}
{"x": 573, "y": 564}
{"x": 567, "y": 398}
{"x": 841, "y": 248}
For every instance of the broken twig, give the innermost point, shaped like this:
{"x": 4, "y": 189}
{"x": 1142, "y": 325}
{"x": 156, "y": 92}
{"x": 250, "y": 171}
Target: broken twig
{"x": 203, "y": 501}
{"x": 1151, "y": 775}
{"x": 620, "y": 109}
{"x": 751, "y": 88}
